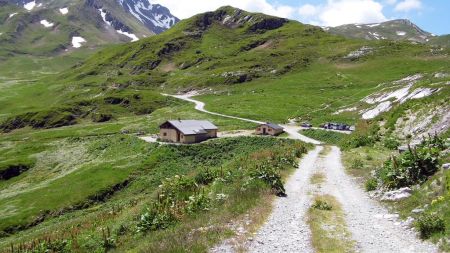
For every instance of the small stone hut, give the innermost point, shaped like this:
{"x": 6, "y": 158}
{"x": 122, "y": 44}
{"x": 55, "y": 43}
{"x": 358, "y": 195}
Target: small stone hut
{"x": 187, "y": 131}
{"x": 269, "y": 129}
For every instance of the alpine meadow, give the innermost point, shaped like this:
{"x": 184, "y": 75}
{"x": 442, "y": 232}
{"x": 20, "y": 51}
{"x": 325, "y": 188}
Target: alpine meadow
{"x": 126, "y": 129}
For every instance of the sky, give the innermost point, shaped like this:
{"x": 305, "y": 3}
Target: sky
{"x": 431, "y": 15}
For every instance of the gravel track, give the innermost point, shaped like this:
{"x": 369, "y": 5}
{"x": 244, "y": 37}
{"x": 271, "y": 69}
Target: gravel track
{"x": 373, "y": 228}
{"x": 286, "y": 229}
{"x": 200, "y": 106}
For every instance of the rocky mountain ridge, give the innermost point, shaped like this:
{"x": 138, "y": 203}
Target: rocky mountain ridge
{"x": 398, "y": 29}
{"x": 49, "y": 27}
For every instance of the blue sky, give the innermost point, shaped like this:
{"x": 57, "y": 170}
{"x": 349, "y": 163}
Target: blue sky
{"x": 430, "y": 15}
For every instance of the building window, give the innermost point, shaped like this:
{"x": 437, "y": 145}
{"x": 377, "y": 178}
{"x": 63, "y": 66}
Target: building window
{"x": 270, "y": 130}
{"x": 164, "y": 134}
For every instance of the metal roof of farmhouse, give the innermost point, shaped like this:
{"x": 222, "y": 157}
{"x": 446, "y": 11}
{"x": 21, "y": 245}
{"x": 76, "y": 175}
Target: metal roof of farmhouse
{"x": 191, "y": 127}
{"x": 273, "y": 125}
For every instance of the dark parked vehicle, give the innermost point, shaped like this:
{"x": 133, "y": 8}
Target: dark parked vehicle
{"x": 306, "y": 125}
{"x": 337, "y": 126}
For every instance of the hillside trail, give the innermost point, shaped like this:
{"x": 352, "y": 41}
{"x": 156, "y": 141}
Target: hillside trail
{"x": 373, "y": 228}
{"x": 292, "y": 131}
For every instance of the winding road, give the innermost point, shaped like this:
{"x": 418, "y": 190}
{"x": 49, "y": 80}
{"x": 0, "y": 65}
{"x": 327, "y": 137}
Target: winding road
{"x": 292, "y": 131}
{"x": 373, "y": 228}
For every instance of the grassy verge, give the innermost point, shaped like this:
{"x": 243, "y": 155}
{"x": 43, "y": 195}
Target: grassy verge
{"x": 360, "y": 162}
{"x": 228, "y": 180}
{"x": 317, "y": 178}
{"x": 429, "y": 202}
{"x": 433, "y": 198}
{"x": 324, "y": 136}
{"x": 329, "y": 232}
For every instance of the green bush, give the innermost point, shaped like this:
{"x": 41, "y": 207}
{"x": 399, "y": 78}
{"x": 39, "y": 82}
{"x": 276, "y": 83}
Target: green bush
{"x": 371, "y": 184}
{"x": 357, "y": 164}
{"x": 411, "y": 167}
{"x": 357, "y": 141}
{"x": 156, "y": 218}
{"x": 391, "y": 143}
{"x": 322, "y": 205}
{"x": 270, "y": 176}
{"x": 198, "y": 202}
{"x": 206, "y": 176}
{"x": 430, "y": 224}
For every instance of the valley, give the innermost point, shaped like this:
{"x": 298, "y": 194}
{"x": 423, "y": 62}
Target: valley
{"x": 76, "y": 175}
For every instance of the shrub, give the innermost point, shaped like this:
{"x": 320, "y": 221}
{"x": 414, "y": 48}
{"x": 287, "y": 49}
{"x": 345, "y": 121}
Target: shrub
{"x": 206, "y": 176}
{"x": 357, "y": 164}
{"x": 411, "y": 167}
{"x": 371, "y": 184}
{"x": 270, "y": 176}
{"x": 359, "y": 140}
{"x": 154, "y": 219}
{"x": 429, "y": 224}
{"x": 177, "y": 188}
{"x": 322, "y": 205}
{"x": 198, "y": 202}
{"x": 391, "y": 143}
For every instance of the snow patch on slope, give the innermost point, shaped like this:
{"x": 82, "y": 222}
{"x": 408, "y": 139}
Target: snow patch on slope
{"x": 132, "y": 36}
{"x": 382, "y": 107}
{"x": 77, "y": 41}
{"x": 154, "y": 16}
{"x": 401, "y": 33}
{"x": 373, "y": 25}
{"x": 46, "y": 23}
{"x": 12, "y": 14}
{"x": 64, "y": 10}
{"x": 397, "y": 94}
{"x": 103, "y": 14}
{"x": 345, "y": 110}
{"x": 383, "y": 101}
{"x": 30, "y": 6}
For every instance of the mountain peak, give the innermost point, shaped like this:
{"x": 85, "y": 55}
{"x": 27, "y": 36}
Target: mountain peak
{"x": 398, "y": 29}
{"x": 236, "y": 18}
{"x": 154, "y": 16}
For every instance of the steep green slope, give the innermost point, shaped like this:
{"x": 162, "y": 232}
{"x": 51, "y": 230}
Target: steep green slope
{"x": 247, "y": 58}
{"x": 442, "y": 41}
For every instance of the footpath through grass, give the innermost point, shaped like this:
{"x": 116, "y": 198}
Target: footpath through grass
{"x": 328, "y": 137}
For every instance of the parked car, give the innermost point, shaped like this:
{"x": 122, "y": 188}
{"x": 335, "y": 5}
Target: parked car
{"x": 336, "y": 126}
{"x": 306, "y": 125}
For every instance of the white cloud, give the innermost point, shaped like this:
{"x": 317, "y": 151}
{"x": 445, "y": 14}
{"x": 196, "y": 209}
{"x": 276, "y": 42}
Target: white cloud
{"x": 186, "y": 9}
{"x": 340, "y": 12}
{"x": 407, "y": 5}
{"x": 330, "y": 13}
{"x": 307, "y": 10}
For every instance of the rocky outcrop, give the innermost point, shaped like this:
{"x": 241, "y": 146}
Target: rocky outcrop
{"x": 13, "y": 171}
{"x": 235, "y": 18}
{"x": 270, "y": 23}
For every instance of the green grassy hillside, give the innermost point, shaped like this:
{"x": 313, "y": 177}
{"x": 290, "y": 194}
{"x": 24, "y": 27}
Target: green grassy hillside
{"x": 22, "y": 32}
{"x": 246, "y": 58}
{"x": 85, "y": 180}
{"x": 399, "y": 29}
